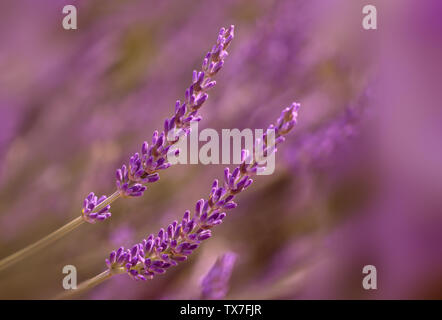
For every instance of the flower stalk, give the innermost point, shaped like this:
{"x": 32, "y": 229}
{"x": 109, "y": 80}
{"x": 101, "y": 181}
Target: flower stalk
{"x": 132, "y": 180}
{"x": 42, "y": 243}
{"x": 86, "y": 285}
{"x": 157, "y": 253}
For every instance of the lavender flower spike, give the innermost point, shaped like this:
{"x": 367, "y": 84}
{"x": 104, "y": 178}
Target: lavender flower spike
{"x": 216, "y": 282}
{"x": 158, "y": 252}
{"x": 132, "y": 180}
{"x": 89, "y": 204}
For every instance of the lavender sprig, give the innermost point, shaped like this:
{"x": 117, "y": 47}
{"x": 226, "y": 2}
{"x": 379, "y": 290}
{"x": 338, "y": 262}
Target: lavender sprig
{"x": 156, "y": 253}
{"x": 142, "y": 169}
{"x": 132, "y": 180}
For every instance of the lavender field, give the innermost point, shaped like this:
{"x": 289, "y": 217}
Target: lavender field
{"x": 357, "y": 176}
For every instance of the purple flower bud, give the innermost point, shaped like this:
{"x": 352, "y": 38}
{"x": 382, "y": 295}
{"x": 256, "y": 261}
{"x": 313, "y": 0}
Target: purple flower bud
{"x": 205, "y": 64}
{"x": 163, "y": 166}
{"x": 134, "y": 250}
{"x": 161, "y": 234}
{"x": 104, "y": 210}
{"x": 203, "y": 217}
{"x": 165, "y": 257}
{"x": 194, "y": 76}
{"x": 252, "y": 170}
{"x": 201, "y": 100}
{"x": 218, "y": 194}
{"x": 240, "y": 185}
{"x": 157, "y": 263}
{"x": 151, "y": 178}
{"x": 244, "y": 154}
{"x": 230, "y": 197}
{"x": 181, "y": 111}
{"x": 160, "y": 161}
{"x": 200, "y": 78}
{"x": 193, "y": 246}
{"x": 177, "y": 231}
{"x": 206, "y": 206}
{"x": 279, "y": 140}
{"x": 217, "y": 67}
{"x": 226, "y": 176}
{"x": 158, "y": 270}
{"x": 119, "y": 175}
{"x": 148, "y": 247}
{"x": 112, "y": 256}
{"x": 248, "y": 183}
{"x": 204, "y": 235}
{"x": 209, "y": 85}
{"x": 154, "y": 137}
{"x": 230, "y": 205}
{"x": 170, "y": 231}
{"x": 187, "y": 95}
{"x": 213, "y": 216}
{"x": 192, "y": 236}
{"x": 166, "y": 126}
{"x": 133, "y": 272}
{"x": 185, "y": 217}
{"x": 189, "y": 227}
{"x": 235, "y": 173}
{"x": 199, "y": 207}
{"x": 160, "y": 140}
{"x": 192, "y": 100}
{"x": 148, "y": 162}
{"x": 178, "y": 257}
{"x": 134, "y": 260}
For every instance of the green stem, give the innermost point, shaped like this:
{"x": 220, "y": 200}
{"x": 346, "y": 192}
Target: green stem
{"x": 44, "y": 242}
{"x": 86, "y": 285}
{"x": 23, "y": 253}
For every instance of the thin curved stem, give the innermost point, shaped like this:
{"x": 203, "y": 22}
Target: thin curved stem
{"x": 23, "y": 253}
{"x": 42, "y": 243}
{"x": 86, "y": 285}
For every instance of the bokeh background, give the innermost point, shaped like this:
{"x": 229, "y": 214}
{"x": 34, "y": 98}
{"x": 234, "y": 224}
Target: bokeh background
{"x": 358, "y": 182}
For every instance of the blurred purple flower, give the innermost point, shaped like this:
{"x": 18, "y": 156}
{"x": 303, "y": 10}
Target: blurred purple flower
{"x": 122, "y": 235}
{"x": 315, "y": 148}
{"x": 215, "y": 284}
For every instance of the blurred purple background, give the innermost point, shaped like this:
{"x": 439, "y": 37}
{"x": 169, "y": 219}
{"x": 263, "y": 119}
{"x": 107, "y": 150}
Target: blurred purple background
{"x": 358, "y": 182}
